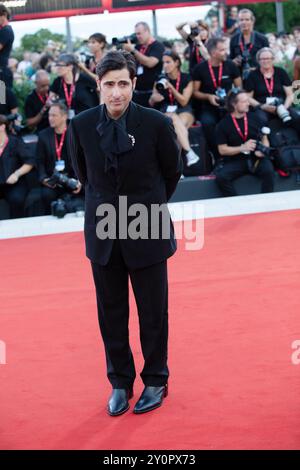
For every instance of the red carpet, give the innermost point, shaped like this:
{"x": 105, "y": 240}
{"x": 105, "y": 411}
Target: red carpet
{"x": 234, "y": 313}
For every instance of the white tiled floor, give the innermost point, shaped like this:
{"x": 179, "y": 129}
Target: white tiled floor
{"x": 219, "y": 207}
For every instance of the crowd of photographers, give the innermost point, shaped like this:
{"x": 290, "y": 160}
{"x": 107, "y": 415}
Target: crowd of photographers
{"x": 226, "y": 82}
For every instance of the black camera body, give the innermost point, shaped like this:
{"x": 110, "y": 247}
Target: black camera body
{"x": 194, "y": 32}
{"x": 221, "y": 97}
{"x": 59, "y": 208}
{"x": 260, "y": 147}
{"x": 63, "y": 181}
{"x": 246, "y": 68}
{"x": 119, "y": 41}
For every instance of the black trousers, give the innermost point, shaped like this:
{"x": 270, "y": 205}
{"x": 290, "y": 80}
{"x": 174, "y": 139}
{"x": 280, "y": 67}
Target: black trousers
{"x": 229, "y": 169}
{"x": 150, "y": 287}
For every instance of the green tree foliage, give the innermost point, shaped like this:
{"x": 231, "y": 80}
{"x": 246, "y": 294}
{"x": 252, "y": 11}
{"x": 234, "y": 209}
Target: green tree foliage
{"x": 38, "y": 41}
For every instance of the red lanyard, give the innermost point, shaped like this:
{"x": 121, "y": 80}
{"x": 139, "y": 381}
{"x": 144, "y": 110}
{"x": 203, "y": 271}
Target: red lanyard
{"x": 243, "y": 47}
{"x": 58, "y": 147}
{"x": 171, "y": 96}
{"x": 245, "y": 135}
{"x": 42, "y": 98}
{"x": 198, "y": 56}
{"x": 212, "y": 74}
{"x": 143, "y": 49}
{"x": 4, "y": 146}
{"x": 270, "y": 86}
{"x": 68, "y": 95}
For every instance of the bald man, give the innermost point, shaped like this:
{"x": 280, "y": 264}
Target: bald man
{"x": 37, "y": 103}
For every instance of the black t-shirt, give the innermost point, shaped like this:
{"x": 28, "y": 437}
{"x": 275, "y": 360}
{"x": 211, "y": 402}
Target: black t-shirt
{"x": 6, "y": 39}
{"x": 185, "y": 79}
{"x": 202, "y": 74}
{"x": 256, "y": 83}
{"x": 194, "y": 54}
{"x": 15, "y": 154}
{"x": 226, "y": 132}
{"x": 258, "y": 41}
{"x": 146, "y": 79}
{"x": 47, "y": 156}
{"x": 33, "y": 106}
{"x": 10, "y": 102}
{"x": 85, "y": 94}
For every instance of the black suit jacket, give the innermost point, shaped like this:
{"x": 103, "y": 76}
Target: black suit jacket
{"x": 147, "y": 174}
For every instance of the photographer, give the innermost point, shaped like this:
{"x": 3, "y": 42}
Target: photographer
{"x": 6, "y": 43}
{"x": 76, "y": 89}
{"x": 52, "y": 156}
{"x": 243, "y": 146}
{"x": 97, "y": 45}
{"x": 212, "y": 81}
{"x": 148, "y": 54}
{"x": 38, "y": 102}
{"x": 196, "y": 39}
{"x": 246, "y": 42}
{"x": 270, "y": 89}
{"x": 171, "y": 95}
{"x": 15, "y": 162}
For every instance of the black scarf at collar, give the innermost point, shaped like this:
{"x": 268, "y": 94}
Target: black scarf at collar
{"x": 114, "y": 140}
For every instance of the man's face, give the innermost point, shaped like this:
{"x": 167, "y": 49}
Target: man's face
{"x": 3, "y": 18}
{"x": 56, "y": 117}
{"x": 214, "y": 22}
{"x": 234, "y": 12}
{"x": 246, "y": 22}
{"x": 220, "y": 53}
{"x": 116, "y": 88}
{"x": 143, "y": 35}
{"x": 242, "y": 105}
{"x": 42, "y": 86}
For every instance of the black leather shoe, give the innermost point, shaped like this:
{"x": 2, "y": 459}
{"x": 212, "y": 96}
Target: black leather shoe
{"x": 151, "y": 398}
{"x": 118, "y": 402}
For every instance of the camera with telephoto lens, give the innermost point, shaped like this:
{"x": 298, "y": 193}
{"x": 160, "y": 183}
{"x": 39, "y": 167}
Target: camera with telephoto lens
{"x": 17, "y": 129}
{"x": 119, "y": 41}
{"x": 246, "y": 69}
{"x": 194, "y": 32}
{"x": 161, "y": 82}
{"x": 267, "y": 151}
{"x": 63, "y": 180}
{"x": 282, "y": 112}
{"x": 221, "y": 97}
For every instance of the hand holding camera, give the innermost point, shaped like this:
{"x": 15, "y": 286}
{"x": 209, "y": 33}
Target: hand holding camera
{"x": 248, "y": 146}
{"x": 213, "y": 100}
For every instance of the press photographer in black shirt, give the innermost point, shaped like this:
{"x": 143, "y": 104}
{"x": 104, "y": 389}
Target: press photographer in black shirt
{"x": 53, "y": 156}
{"x": 270, "y": 89}
{"x": 243, "y": 144}
{"x": 76, "y": 89}
{"x": 15, "y": 162}
{"x": 246, "y": 42}
{"x": 6, "y": 43}
{"x": 196, "y": 39}
{"x": 38, "y": 102}
{"x": 171, "y": 96}
{"x": 148, "y": 54}
{"x": 213, "y": 79}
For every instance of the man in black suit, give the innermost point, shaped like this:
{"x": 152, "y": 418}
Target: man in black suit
{"x": 121, "y": 152}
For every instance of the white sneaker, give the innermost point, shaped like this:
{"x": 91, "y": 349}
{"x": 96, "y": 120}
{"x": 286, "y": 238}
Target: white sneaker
{"x": 191, "y": 157}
